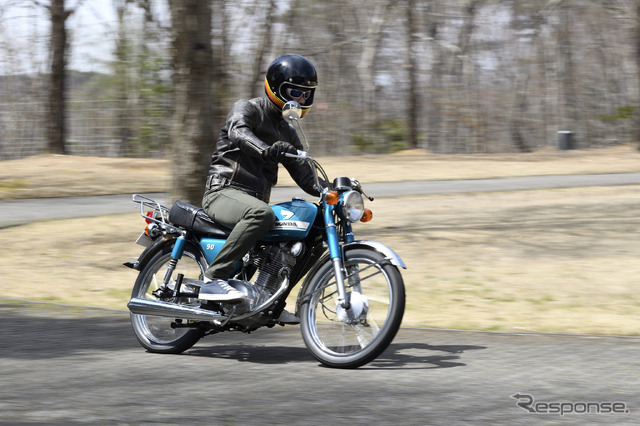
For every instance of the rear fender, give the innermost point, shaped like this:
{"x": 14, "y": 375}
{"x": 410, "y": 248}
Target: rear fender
{"x": 147, "y": 254}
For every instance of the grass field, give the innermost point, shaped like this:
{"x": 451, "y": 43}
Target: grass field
{"x": 556, "y": 260}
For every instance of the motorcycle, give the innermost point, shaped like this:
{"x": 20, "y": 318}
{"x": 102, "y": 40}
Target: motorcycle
{"x": 351, "y": 300}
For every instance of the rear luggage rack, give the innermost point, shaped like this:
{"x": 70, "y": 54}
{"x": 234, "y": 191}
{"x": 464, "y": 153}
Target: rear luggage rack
{"x": 159, "y": 213}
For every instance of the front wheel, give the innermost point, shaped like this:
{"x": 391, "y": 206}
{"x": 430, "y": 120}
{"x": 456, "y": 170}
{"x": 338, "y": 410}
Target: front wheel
{"x": 350, "y": 338}
{"x": 159, "y": 334}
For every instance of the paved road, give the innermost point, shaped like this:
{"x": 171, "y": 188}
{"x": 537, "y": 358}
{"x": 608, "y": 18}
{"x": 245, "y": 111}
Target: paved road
{"x": 63, "y": 365}
{"x": 17, "y": 212}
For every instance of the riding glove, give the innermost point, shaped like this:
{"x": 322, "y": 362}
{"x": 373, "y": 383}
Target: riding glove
{"x": 277, "y": 153}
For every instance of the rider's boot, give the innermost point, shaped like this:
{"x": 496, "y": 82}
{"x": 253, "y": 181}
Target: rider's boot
{"x": 220, "y": 291}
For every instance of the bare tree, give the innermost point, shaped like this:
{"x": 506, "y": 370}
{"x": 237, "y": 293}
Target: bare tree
{"x": 434, "y": 90}
{"x": 413, "y": 105}
{"x": 122, "y": 53}
{"x": 57, "y": 89}
{"x": 369, "y": 53}
{"x": 471, "y": 75}
{"x": 191, "y": 128}
{"x": 264, "y": 42}
{"x": 221, "y": 78}
{"x": 637, "y": 42}
{"x": 566, "y": 65}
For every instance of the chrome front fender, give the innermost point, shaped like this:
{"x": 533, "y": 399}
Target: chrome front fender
{"x": 388, "y": 253}
{"x": 380, "y": 248}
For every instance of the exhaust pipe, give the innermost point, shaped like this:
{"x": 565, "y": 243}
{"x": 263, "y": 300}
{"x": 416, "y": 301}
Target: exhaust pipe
{"x": 141, "y": 306}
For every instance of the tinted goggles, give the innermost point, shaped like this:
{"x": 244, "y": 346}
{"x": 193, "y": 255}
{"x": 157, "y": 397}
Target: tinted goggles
{"x": 297, "y": 93}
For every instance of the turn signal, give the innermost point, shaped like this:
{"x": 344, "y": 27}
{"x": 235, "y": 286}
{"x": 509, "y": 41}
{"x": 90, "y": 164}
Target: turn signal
{"x": 366, "y": 216}
{"x": 332, "y": 197}
{"x": 152, "y": 230}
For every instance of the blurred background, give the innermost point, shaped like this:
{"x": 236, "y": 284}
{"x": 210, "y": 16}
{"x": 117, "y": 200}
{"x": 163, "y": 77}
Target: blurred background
{"x": 455, "y": 76}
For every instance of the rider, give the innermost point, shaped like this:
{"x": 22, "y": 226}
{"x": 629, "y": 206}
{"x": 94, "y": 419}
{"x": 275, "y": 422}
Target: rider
{"x": 244, "y": 167}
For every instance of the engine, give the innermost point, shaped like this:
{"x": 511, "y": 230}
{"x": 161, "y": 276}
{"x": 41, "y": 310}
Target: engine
{"x": 272, "y": 263}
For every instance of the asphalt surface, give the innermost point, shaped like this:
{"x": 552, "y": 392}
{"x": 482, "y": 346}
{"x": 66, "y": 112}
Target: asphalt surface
{"x": 18, "y": 212}
{"x": 66, "y": 365}
{"x": 73, "y": 365}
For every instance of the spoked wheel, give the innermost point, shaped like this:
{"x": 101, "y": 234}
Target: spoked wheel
{"x": 349, "y": 338}
{"x": 154, "y": 333}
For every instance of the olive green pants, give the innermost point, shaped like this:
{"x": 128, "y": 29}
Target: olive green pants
{"x": 249, "y": 219}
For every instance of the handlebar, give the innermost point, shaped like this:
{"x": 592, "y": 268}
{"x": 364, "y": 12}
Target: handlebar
{"x": 303, "y": 156}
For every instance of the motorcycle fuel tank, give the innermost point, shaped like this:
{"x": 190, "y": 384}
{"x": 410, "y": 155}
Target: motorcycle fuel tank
{"x": 293, "y": 220}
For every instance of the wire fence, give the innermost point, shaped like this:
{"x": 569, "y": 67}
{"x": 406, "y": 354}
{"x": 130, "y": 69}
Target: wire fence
{"x": 495, "y": 77}
{"x": 94, "y": 128}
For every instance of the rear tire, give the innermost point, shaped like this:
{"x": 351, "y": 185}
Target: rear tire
{"x": 155, "y": 333}
{"x": 351, "y": 338}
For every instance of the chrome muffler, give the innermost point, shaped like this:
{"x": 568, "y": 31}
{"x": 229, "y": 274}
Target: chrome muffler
{"x": 140, "y": 306}
{"x": 158, "y": 308}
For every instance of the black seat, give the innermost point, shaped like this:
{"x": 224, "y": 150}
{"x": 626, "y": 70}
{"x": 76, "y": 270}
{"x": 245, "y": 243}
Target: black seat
{"x": 195, "y": 219}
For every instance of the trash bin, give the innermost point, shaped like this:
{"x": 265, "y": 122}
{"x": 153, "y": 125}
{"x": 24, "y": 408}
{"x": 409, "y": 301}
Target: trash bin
{"x": 565, "y": 140}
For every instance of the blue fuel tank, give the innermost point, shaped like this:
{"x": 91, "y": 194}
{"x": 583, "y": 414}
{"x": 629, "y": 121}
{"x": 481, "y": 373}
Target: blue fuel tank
{"x": 293, "y": 220}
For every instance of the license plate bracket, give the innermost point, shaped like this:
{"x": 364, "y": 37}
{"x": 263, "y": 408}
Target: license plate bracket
{"x": 144, "y": 240}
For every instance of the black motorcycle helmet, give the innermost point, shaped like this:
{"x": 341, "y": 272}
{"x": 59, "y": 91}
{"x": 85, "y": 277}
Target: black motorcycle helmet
{"x": 291, "y": 77}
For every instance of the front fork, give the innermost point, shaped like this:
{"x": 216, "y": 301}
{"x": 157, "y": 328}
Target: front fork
{"x": 336, "y": 253}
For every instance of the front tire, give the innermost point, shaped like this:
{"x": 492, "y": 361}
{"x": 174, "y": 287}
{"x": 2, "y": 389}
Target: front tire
{"x": 154, "y": 333}
{"x": 351, "y": 338}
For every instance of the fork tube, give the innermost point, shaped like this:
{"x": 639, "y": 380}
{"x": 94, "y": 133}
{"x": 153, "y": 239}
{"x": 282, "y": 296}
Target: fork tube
{"x": 336, "y": 254}
{"x": 348, "y": 233}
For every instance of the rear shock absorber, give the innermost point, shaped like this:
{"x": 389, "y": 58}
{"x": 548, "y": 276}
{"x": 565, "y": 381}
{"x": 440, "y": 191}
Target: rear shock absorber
{"x": 176, "y": 254}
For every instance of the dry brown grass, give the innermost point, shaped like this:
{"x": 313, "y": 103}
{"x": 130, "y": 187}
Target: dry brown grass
{"x": 54, "y": 175}
{"x": 556, "y": 260}
{"x": 63, "y": 176}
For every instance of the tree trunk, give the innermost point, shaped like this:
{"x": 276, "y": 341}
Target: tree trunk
{"x": 221, "y": 80}
{"x": 433, "y": 104}
{"x": 466, "y": 136}
{"x": 192, "y": 136}
{"x": 638, "y": 62}
{"x": 570, "y": 119}
{"x": 57, "y": 90}
{"x": 414, "y": 90}
{"x": 122, "y": 54}
{"x": 366, "y": 66}
{"x": 257, "y": 85}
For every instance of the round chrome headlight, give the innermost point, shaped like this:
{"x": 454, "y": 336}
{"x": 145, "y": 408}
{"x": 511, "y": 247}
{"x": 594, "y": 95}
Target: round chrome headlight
{"x": 352, "y": 206}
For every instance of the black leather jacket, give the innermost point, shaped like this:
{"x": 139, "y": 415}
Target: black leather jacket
{"x": 251, "y": 127}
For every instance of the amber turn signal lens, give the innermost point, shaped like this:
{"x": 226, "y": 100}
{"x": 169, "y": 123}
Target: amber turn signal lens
{"x": 332, "y": 197}
{"x": 366, "y": 216}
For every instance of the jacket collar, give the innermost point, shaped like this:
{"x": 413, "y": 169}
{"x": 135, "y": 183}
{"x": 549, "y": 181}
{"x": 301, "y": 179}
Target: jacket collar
{"x": 272, "y": 112}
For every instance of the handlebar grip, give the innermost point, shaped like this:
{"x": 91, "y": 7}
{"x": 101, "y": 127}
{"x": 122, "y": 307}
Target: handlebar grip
{"x": 301, "y": 155}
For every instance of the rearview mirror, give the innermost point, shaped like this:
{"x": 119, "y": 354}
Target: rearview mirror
{"x": 292, "y": 111}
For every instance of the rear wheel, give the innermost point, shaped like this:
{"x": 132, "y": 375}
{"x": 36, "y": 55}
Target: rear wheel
{"x": 349, "y": 338}
{"x": 154, "y": 333}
